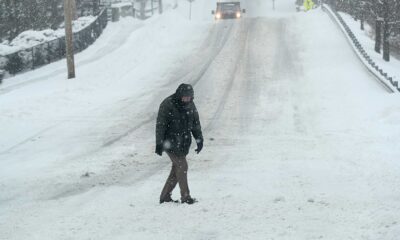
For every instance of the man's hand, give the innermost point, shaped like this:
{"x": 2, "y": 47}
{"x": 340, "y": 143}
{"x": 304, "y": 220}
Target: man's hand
{"x": 199, "y": 146}
{"x": 159, "y": 149}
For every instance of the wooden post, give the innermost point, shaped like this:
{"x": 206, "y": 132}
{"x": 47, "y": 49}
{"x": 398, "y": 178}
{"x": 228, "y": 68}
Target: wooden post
{"x": 160, "y": 6}
{"x": 143, "y": 9}
{"x": 190, "y": 10}
{"x": 69, "y": 38}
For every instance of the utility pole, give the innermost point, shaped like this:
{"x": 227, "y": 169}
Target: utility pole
{"x": 69, "y": 46}
{"x": 273, "y": 5}
{"x": 73, "y": 7}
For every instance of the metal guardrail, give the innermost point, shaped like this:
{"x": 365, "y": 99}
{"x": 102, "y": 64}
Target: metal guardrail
{"x": 371, "y": 65}
{"x": 52, "y": 51}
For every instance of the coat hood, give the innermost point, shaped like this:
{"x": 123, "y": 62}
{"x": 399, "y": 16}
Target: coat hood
{"x": 184, "y": 90}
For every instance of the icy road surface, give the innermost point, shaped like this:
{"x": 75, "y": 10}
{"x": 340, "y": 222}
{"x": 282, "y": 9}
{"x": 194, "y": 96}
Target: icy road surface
{"x": 300, "y": 141}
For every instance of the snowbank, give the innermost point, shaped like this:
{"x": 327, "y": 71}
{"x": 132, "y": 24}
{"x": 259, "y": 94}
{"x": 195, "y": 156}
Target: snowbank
{"x": 32, "y": 38}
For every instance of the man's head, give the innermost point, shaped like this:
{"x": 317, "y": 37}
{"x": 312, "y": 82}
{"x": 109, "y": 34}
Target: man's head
{"x": 185, "y": 93}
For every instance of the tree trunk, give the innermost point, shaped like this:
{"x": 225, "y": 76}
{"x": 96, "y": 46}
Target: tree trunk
{"x": 362, "y": 15}
{"x": 386, "y": 43}
{"x": 13, "y": 20}
{"x": 53, "y": 19}
{"x": 386, "y": 33}
{"x": 362, "y": 18}
{"x": 378, "y": 35}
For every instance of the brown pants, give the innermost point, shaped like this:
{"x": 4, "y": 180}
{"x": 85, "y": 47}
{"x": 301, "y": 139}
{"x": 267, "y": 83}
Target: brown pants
{"x": 178, "y": 174}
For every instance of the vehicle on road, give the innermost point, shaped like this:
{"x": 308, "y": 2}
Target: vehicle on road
{"x": 228, "y": 10}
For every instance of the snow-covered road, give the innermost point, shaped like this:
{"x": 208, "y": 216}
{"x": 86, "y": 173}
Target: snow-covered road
{"x": 301, "y": 142}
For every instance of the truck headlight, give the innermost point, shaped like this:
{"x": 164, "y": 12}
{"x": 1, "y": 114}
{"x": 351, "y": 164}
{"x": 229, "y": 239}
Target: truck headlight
{"x": 238, "y": 15}
{"x": 218, "y": 15}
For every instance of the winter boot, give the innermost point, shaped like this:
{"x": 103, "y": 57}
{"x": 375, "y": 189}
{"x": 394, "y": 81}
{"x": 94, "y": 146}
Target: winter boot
{"x": 188, "y": 200}
{"x": 168, "y": 199}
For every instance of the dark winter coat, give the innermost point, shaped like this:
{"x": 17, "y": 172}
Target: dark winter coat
{"x": 176, "y": 122}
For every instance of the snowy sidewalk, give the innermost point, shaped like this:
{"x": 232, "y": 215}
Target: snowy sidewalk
{"x": 392, "y": 68}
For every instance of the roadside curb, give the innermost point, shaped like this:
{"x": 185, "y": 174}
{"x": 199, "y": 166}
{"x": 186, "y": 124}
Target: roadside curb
{"x": 383, "y": 78}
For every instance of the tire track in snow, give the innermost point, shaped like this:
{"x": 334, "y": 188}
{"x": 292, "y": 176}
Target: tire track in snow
{"x": 182, "y": 78}
{"x": 111, "y": 178}
{"x": 232, "y": 77}
{"x": 29, "y": 139}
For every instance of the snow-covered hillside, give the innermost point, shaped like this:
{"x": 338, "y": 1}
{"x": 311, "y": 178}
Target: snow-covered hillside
{"x": 300, "y": 141}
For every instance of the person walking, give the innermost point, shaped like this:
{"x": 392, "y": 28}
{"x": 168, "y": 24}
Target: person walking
{"x": 177, "y": 121}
